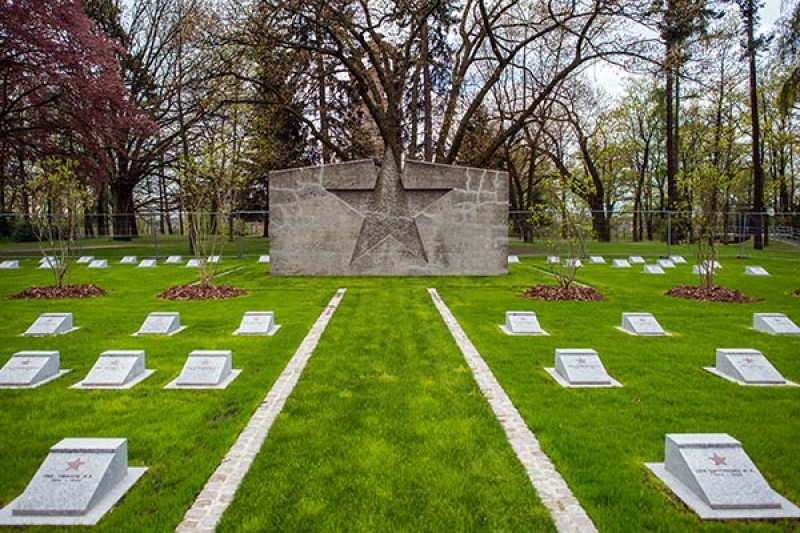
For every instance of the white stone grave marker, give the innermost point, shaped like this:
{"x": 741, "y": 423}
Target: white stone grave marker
{"x": 522, "y": 323}
{"x": 50, "y": 324}
{"x": 755, "y": 271}
{"x": 636, "y": 260}
{"x": 174, "y": 260}
{"x": 78, "y": 482}
{"x": 700, "y": 270}
{"x": 573, "y": 263}
{"x": 642, "y": 324}
{"x": 116, "y": 369}
{"x": 713, "y": 475}
{"x": 98, "y": 263}
{"x": 30, "y": 369}
{"x": 214, "y": 259}
{"x": 161, "y": 324}
{"x": 597, "y": 260}
{"x": 678, "y": 259}
{"x": 147, "y": 263}
{"x": 128, "y": 260}
{"x": 553, "y": 260}
{"x": 665, "y": 263}
{"x": 263, "y": 259}
{"x": 206, "y": 369}
{"x": 85, "y": 259}
{"x": 620, "y": 263}
{"x": 49, "y": 263}
{"x": 580, "y": 368}
{"x": 513, "y": 259}
{"x": 192, "y": 263}
{"x": 652, "y": 269}
{"x": 775, "y": 324}
{"x": 258, "y": 323}
{"x": 746, "y": 366}
{"x": 9, "y": 265}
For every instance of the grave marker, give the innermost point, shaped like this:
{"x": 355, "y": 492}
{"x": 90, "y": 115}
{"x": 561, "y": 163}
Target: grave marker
{"x": 48, "y": 259}
{"x": 522, "y": 323}
{"x": 128, "y": 260}
{"x": 700, "y": 270}
{"x": 258, "y": 323}
{"x": 9, "y": 265}
{"x": 50, "y": 324}
{"x": 263, "y": 259}
{"x": 597, "y": 260}
{"x": 746, "y": 367}
{"x": 214, "y": 259}
{"x": 206, "y": 369}
{"x": 775, "y": 324}
{"x": 192, "y": 263}
{"x": 98, "y": 263}
{"x": 85, "y": 259}
{"x": 580, "y": 368}
{"x": 78, "y": 482}
{"x": 30, "y": 369}
{"x": 665, "y": 263}
{"x": 553, "y": 260}
{"x": 636, "y": 260}
{"x": 174, "y": 260}
{"x": 755, "y": 271}
{"x": 116, "y": 369}
{"x": 573, "y": 263}
{"x": 711, "y": 473}
{"x": 652, "y": 269}
{"x": 513, "y": 259}
{"x": 620, "y": 263}
{"x": 147, "y": 263}
{"x": 161, "y": 324}
{"x": 678, "y": 259}
{"x": 49, "y": 263}
{"x": 642, "y": 324}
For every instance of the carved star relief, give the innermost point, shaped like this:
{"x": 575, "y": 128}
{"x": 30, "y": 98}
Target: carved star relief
{"x": 389, "y": 212}
{"x": 75, "y": 464}
{"x": 718, "y": 459}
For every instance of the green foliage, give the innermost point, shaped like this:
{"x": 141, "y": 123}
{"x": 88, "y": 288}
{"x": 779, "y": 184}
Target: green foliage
{"x": 58, "y": 199}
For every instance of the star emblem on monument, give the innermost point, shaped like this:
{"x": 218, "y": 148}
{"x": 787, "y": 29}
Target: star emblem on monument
{"x": 389, "y": 212}
{"x": 75, "y": 464}
{"x": 748, "y": 360}
{"x": 581, "y": 360}
{"x": 25, "y": 362}
{"x": 718, "y": 460}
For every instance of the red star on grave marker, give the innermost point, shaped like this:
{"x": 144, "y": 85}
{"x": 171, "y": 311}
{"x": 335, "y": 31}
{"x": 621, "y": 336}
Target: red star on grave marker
{"x": 75, "y": 464}
{"x": 718, "y": 460}
{"x": 581, "y": 360}
{"x": 25, "y": 362}
{"x": 748, "y": 360}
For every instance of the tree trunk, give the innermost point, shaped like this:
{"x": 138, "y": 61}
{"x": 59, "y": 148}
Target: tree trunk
{"x": 124, "y": 218}
{"x": 758, "y": 170}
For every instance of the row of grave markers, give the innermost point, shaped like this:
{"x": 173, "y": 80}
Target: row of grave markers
{"x": 118, "y": 369}
{"x": 527, "y": 323}
{"x": 656, "y": 268}
{"x": 51, "y": 262}
{"x": 82, "y": 478}
{"x": 159, "y": 323}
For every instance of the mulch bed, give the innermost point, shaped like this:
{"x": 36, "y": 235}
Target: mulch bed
{"x": 55, "y": 293}
{"x": 198, "y": 292}
{"x": 554, "y": 294}
{"x": 797, "y": 292}
{"x": 709, "y": 294}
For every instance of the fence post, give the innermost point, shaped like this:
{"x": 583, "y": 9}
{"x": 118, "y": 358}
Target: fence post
{"x": 669, "y": 233}
{"x": 155, "y": 233}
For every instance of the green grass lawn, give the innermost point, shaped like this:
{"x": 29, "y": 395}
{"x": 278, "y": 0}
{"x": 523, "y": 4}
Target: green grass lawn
{"x": 386, "y": 430}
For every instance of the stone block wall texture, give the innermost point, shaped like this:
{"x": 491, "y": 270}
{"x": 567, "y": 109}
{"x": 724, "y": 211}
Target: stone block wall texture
{"x": 357, "y": 218}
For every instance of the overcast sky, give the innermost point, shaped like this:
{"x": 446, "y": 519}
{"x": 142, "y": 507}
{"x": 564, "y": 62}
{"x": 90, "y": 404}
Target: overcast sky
{"x": 611, "y": 78}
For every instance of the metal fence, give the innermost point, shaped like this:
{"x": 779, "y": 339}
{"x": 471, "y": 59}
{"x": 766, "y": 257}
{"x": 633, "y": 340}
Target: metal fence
{"x": 244, "y": 231}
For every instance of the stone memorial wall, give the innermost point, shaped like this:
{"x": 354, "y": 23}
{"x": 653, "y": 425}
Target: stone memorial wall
{"x": 357, "y": 219}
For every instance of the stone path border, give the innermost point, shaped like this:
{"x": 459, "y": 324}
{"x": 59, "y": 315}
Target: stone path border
{"x": 205, "y": 513}
{"x": 565, "y": 509}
